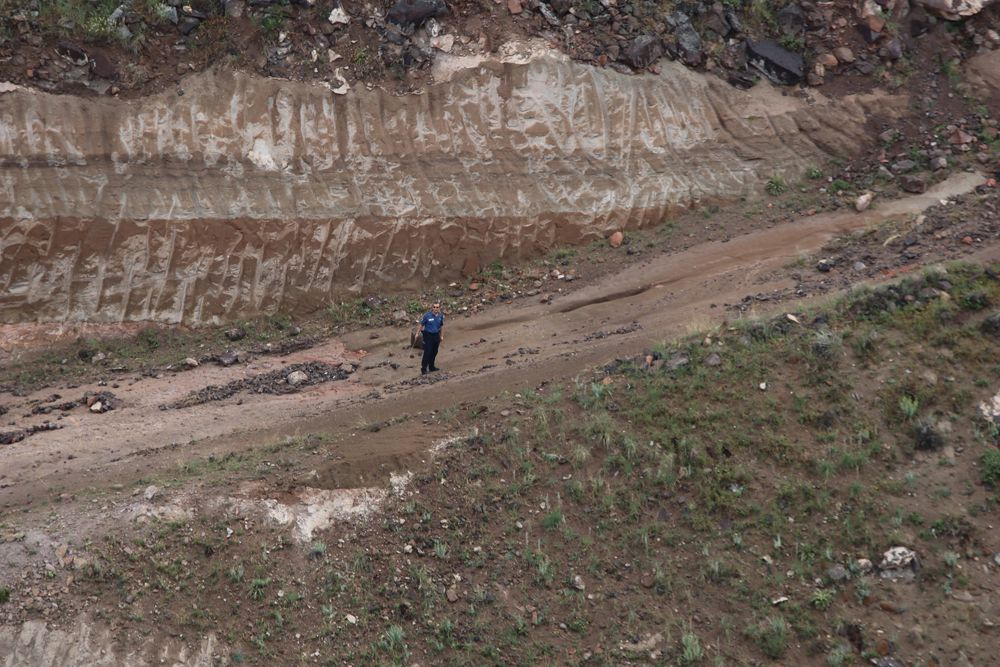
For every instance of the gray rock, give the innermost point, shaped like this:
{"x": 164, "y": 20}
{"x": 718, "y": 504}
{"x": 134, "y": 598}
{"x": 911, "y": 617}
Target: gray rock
{"x": 643, "y": 51}
{"x": 939, "y": 163}
{"x": 893, "y": 50}
{"x": 151, "y": 492}
{"x": 689, "y": 44}
{"x": 903, "y": 166}
{"x": 824, "y": 265}
{"x": 187, "y": 25}
{"x": 889, "y": 136}
{"x": 233, "y": 8}
{"x": 899, "y": 563}
{"x": 991, "y": 325}
{"x": 844, "y": 55}
{"x": 235, "y": 334}
{"x": 713, "y": 359}
{"x": 677, "y": 360}
{"x": 860, "y": 266}
{"x": 229, "y": 357}
{"x": 296, "y": 378}
{"x": 837, "y": 573}
{"x": 914, "y": 184}
{"x": 791, "y": 19}
{"x": 415, "y": 12}
{"x": 776, "y": 62}
{"x": 347, "y": 367}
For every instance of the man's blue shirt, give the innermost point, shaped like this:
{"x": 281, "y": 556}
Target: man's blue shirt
{"x": 432, "y": 323}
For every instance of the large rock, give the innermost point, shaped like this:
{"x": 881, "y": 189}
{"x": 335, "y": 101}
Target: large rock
{"x": 296, "y": 378}
{"x": 954, "y": 10}
{"x": 776, "y": 62}
{"x": 643, "y": 51}
{"x": 689, "y": 45}
{"x": 899, "y": 563}
{"x": 791, "y": 19}
{"x": 914, "y": 183}
{"x": 991, "y": 325}
{"x": 415, "y": 12}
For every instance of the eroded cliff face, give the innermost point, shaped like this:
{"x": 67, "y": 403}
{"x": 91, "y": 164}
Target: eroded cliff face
{"x": 236, "y": 195}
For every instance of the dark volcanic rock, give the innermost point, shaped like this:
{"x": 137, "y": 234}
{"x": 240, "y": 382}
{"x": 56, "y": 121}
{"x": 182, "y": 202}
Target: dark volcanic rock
{"x": 643, "y": 51}
{"x": 689, "y": 45}
{"x": 415, "y": 12}
{"x": 776, "y": 62}
{"x": 792, "y": 20}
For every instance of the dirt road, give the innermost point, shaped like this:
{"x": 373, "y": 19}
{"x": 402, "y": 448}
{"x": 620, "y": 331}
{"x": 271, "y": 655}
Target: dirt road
{"x": 509, "y": 348}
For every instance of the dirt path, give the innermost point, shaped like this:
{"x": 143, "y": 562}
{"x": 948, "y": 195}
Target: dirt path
{"x": 510, "y": 348}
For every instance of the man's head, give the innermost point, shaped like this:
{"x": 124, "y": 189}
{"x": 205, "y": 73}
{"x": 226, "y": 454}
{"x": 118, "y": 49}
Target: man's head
{"x": 436, "y": 307}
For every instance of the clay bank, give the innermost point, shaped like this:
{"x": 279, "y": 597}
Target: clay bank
{"x": 233, "y": 195}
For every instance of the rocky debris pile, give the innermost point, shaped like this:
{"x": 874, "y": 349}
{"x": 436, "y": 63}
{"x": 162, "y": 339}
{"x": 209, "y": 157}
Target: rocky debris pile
{"x": 598, "y": 335}
{"x": 96, "y": 402}
{"x": 10, "y": 437}
{"x": 282, "y": 381}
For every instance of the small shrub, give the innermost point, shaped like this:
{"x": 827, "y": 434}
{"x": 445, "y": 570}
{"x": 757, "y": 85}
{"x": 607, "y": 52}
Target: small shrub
{"x": 4, "y": 595}
{"x": 814, "y": 173}
{"x": 691, "y": 650}
{"x": 989, "y": 467}
{"x": 553, "y": 520}
{"x": 839, "y": 185}
{"x": 257, "y": 588}
{"x": 908, "y": 406}
{"x": 821, "y": 599}
{"x": 839, "y": 655}
{"x": 317, "y": 550}
{"x": 771, "y": 637}
{"x": 776, "y": 185}
{"x": 927, "y": 436}
{"x": 975, "y": 300}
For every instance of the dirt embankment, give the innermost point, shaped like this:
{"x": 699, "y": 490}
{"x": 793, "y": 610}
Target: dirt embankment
{"x": 245, "y": 195}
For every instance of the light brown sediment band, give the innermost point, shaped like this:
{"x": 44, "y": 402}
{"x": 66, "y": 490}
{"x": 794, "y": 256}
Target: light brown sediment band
{"x": 248, "y": 195}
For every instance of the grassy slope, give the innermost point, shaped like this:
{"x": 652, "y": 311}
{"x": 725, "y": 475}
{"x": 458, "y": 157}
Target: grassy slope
{"x": 644, "y": 502}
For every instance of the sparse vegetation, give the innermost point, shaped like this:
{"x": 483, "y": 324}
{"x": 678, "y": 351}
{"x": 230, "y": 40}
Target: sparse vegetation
{"x": 776, "y": 185}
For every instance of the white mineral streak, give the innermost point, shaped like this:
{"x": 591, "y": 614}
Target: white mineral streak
{"x": 247, "y": 195}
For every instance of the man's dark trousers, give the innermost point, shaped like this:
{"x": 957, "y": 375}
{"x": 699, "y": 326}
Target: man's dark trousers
{"x": 431, "y": 343}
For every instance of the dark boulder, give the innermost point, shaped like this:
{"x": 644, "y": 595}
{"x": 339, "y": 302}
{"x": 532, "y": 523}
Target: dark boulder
{"x": 792, "y": 20}
{"x": 689, "y": 46}
{"x": 776, "y": 62}
{"x": 415, "y": 12}
{"x": 991, "y": 325}
{"x": 913, "y": 183}
{"x": 643, "y": 51}
{"x": 187, "y": 25}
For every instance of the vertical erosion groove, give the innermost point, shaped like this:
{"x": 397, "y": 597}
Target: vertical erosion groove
{"x": 249, "y": 195}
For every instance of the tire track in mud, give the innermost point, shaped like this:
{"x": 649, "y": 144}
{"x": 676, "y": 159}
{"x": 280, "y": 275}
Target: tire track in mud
{"x": 250, "y": 195}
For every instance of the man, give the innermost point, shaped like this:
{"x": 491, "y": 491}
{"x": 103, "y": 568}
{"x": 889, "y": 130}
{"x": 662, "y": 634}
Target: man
{"x": 430, "y": 327}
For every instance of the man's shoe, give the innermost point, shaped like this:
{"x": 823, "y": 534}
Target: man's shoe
{"x": 434, "y": 369}
{"x": 423, "y": 371}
